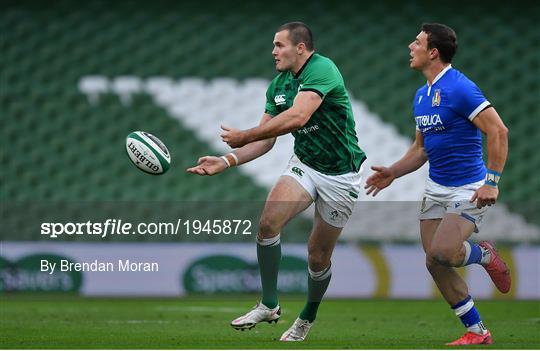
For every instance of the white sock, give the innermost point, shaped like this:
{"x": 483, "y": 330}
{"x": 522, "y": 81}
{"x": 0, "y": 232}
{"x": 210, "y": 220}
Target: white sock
{"x": 467, "y": 253}
{"x": 486, "y": 256}
{"x": 478, "y": 328}
{"x": 276, "y": 240}
{"x": 322, "y": 275}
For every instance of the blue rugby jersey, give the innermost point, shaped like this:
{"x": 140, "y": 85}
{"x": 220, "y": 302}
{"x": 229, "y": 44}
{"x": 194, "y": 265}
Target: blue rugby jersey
{"x": 444, "y": 112}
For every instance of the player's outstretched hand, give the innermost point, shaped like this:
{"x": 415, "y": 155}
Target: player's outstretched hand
{"x": 208, "y": 165}
{"x": 235, "y": 138}
{"x": 379, "y": 180}
{"x": 486, "y": 195}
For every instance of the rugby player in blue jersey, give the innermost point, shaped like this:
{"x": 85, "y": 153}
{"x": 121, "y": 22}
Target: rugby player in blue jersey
{"x": 451, "y": 113}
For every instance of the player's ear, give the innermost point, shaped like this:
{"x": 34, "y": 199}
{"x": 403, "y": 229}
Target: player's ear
{"x": 300, "y": 48}
{"x": 434, "y": 53}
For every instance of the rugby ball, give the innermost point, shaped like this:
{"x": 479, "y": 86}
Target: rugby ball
{"x": 148, "y": 153}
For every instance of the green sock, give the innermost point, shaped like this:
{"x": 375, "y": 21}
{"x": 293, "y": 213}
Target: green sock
{"x": 317, "y": 285}
{"x": 269, "y": 257}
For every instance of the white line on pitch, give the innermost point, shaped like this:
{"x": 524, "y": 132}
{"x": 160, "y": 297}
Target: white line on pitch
{"x": 199, "y": 309}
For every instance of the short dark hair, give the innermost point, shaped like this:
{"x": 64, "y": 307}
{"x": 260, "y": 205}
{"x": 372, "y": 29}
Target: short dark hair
{"x": 442, "y": 38}
{"x": 299, "y": 33}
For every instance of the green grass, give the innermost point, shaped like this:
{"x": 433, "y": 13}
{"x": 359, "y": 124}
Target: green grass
{"x": 63, "y": 322}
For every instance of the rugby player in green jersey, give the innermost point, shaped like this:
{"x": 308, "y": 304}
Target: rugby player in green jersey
{"x": 308, "y": 99}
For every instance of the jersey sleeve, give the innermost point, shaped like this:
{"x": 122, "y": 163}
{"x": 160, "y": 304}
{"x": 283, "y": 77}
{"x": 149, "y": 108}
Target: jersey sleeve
{"x": 322, "y": 79}
{"x": 470, "y": 101}
{"x": 270, "y": 106}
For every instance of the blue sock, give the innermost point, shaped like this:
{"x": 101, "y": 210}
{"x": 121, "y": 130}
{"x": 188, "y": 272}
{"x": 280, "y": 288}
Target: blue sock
{"x": 473, "y": 253}
{"x": 469, "y": 315}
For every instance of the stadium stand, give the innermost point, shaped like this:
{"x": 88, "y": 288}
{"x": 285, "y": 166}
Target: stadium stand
{"x": 76, "y": 78}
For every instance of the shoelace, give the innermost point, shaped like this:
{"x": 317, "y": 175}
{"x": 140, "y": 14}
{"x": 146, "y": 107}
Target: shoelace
{"x": 304, "y": 326}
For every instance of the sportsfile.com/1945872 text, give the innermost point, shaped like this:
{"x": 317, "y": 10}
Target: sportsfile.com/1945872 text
{"x": 119, "y": 227}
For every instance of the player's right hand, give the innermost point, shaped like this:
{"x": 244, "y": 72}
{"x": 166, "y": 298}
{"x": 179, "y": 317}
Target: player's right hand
{"x": 379, "y": 180}
{"x": 208, "y": 165}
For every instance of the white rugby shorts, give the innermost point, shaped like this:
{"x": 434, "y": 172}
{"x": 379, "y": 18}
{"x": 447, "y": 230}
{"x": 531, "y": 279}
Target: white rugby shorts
{"x": 334, "y": 195}
{"x": 439, "y": 200}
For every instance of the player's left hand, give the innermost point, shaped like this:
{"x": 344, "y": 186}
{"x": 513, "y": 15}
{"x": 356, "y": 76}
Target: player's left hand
{"x": 486, "y": 195}
{"x": 233, "y": 137}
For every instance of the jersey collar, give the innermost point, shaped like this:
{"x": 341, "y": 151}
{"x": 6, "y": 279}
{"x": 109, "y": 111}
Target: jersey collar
{"x": 439, "y": 76}
{"x": 303, "y": 66}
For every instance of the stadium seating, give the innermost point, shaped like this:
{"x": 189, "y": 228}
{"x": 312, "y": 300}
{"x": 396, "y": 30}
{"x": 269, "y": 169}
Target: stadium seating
{"x": 139, "y": 60}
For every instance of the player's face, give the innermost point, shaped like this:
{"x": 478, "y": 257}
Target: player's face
{"x": 420, "y": 54}
{"x": 285, "y": 52}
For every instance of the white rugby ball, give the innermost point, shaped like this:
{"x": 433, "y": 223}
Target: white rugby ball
{"x": 148, "y": 153}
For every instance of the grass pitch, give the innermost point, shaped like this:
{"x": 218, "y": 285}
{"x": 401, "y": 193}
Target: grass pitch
{"x": 67, "y": 322}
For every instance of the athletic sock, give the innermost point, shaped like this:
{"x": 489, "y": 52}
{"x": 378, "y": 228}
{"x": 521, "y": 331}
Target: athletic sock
{"x": 469, "y": 316}
{"x": 475, "y": 253}
{"x": 269, "y": 257}
{"x": 317, "y": 285}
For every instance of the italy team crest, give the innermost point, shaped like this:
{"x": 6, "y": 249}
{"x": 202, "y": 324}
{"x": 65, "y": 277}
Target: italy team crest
{"x": 436, "y": 101}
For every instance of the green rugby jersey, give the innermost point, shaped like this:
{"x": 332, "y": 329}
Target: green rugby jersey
{"x": 328, "y": 142}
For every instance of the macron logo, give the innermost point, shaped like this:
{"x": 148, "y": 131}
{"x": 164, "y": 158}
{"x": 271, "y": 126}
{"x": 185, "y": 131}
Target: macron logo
{"x": 279, "y": 99}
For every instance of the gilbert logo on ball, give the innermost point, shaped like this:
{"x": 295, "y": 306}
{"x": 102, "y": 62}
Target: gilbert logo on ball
{"x": 148, "y": 153}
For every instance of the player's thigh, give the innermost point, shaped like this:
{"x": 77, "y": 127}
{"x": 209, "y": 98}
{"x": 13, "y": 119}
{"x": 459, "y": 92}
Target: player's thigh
{"x": 453, "y": 230}
{"x": 428, "y": 227}
{"x": 286, "y": 199}
{"x": 321, "y": 243}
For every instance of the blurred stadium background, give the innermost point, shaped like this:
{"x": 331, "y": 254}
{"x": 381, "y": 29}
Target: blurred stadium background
{"x": 77, "y": 77}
